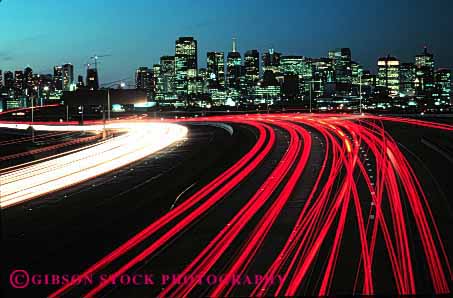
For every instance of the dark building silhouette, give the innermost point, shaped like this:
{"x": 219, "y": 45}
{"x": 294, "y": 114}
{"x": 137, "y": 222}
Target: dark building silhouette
{"x": 92, "y": 79}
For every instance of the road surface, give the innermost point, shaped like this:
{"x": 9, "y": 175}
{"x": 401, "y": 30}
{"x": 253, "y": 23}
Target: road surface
{"x": 289, "y": 204}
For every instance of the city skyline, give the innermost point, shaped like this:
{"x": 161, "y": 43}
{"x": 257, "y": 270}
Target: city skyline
{"x": 103, "y": 32}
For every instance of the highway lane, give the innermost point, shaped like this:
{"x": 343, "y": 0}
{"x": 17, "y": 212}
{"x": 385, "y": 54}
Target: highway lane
{"x": 60, "y": 234}
{"x": 334, "y": 205}
{"x": 38, "y": 179}
{"x": 346, "y": 137}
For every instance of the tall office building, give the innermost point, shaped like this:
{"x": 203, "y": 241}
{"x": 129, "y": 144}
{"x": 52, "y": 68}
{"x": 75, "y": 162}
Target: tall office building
{"x": 92, "y": 79}
{"x": 1, "y": 79}
{"x": 9, "y": 79}
{"x": 19, "y": 80}
{"x": 167, "y": 75}
{"x": 185, "y": 63}
{"x": 251, "y": 69}
{"x": 29, "y": 83}
{"x": 356, "y": 72}
{"x": 271, "y": 61}
{"x": 157, "y": 83}
{"x": 389, "y": 74}
{"x": 424, "y": 82}
{"x": 323, "y": 76}
{"x": 234, "y": 68}
{"x": 80, "y": 82}
{"x": 215, "y": 62}
{"x": 295, "y": 70}
{"x": 58, "y": 77}
{"x": 407, "y": 79}
{"x": 143, "y": 78}
{"x": 342, "y": 65}
{"x": 443, "y": 84}
{"x": 68, "y": 76}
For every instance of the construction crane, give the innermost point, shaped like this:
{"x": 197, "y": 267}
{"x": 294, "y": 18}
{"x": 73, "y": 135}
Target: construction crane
{"x": 95, "y": 59}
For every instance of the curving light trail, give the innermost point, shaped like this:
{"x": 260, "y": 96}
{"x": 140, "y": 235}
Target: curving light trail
{"x": 365, "y": 181}
{"x": 139, "y": 140}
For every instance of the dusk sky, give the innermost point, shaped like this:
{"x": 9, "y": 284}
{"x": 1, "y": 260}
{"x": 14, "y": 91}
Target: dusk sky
{"x": 43, "y": 33}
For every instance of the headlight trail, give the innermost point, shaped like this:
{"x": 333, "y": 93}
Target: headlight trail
{"x": 140, "y": 140}
{"x": 364, "y": 181}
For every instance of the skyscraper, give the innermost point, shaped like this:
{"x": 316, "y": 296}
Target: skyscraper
{"x": 443, "y": 85}
{"x": 216, "y": 68}
{"x": 294, "y": 70}
{"x": 251, "y": 69}
{"x": 144, "y": 80}
{"x": 342, "y": 65}
{"x": 1, "y": 79}
{"x": 407, "y": 79}
{"x": 143, "y": 77}
{"x": 389, "y": 74}
{"x": 424, "y": 82}
{"x": 68, "y": 76}
{"x": 271, "y": 61}
{"x": 185, "y": 63}
{"x": 92, "y": 79}
{"x": 234, "y": 68}
{"x": 19, "y": 80}
{"x": 9, "y": 79}
{"x": 323, "y": 75}
{"x": 167, "y": 75}
{"x": 28, "y": 81}
{"x": 80, "y": 82}
{"x": 58, "y": 77}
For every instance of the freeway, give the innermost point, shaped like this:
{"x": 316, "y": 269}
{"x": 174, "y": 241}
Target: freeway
{"x": 56, "y": 172}
{"x": 323, "y": 204}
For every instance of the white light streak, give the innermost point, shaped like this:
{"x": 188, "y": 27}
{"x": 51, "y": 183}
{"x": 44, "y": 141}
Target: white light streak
{"x": 140, "y": 140}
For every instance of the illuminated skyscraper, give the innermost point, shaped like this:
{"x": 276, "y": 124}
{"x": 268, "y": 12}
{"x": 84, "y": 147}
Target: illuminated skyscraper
{"x": 389, "y": 74}
{"x": 356, "y": 72}
{"x": 144, "y": 80}
{"x": 342, "y": 65}
{"x": 68, "y": 76}
{"x": 407, "y": 79}
{"x": 19, "y": 80}
{"x": 424, "y": 83}
{"x": 215, "y": 62}
{"x": 271, "y": 61}
{"x": 185, "y": 63}
{"x": 167, "y": 75}
{"x": 251, "y": 69}
{"x": 323, "y": 75}
{"x": 294, "y": 70}
{"x": 92, "y": 79}
{"x": 143, "y": 77}
{"x": 9, "y": 79}
{"x": 28, "y": 81}
{"x": 443, "y": 85}
{"x": 58, "y": 77}
{"x": 234, "y": 68}
{"x": 1, "y": 79}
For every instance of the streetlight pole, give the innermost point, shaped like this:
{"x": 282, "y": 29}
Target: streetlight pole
{"x": 67, "y": 113}
{"x": 360, "y": 91}
{"x": 310, "y": 95}
{"x": 33, "y": 114}
{"x": 108, "y": 104}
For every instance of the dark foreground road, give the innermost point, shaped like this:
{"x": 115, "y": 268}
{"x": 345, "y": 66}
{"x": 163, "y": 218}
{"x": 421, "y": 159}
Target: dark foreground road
{"x": 319, "y": 205}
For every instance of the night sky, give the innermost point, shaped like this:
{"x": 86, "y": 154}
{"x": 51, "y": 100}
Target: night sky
{"x": 43, "y": 33}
